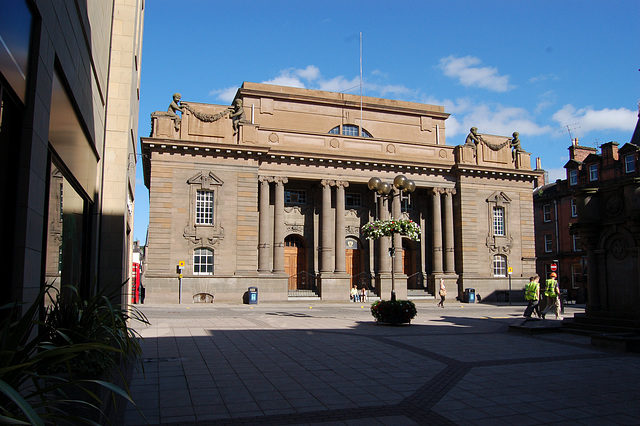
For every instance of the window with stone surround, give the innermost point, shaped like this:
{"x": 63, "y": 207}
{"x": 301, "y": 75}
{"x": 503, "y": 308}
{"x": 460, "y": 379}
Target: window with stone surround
{"x": 498, "y": 221}
{"x": 203, "y": 261}
{"x": 202, "y": 225}
{"x": 204, "y": 207}
{"x": 593, "y": 172}
{"x": 499, "y": 265}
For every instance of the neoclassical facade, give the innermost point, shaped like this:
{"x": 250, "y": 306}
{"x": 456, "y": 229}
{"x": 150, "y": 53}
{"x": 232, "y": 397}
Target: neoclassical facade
{"x": 272, "y": 193}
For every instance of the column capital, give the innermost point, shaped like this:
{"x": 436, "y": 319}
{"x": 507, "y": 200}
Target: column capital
{"x": 449, "y": 191}
{"x": 281, "y": 179}
{"x": 341, "y": 183}
{"x": 436, "y": 191}
{"x": 262, "y": 178}
{"x": 328, "y": 182}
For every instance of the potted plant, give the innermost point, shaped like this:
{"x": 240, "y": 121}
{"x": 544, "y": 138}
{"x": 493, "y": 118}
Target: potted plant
{"x": 394, "y": 312}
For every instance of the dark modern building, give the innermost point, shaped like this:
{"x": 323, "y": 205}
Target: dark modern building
{"x": 69, "y": 93}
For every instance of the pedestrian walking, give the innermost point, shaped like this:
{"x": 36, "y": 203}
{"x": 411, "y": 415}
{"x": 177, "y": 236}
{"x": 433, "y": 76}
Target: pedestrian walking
{"x": 552, "y": 293}
{"x": 442, "y": 293}
{"x": 532, "y": 295}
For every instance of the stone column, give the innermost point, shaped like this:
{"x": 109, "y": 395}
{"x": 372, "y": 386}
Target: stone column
{"x": 325, "y": 224}
{"x": 341, "y": 260}
{"x": 396, "y": 213}
{"x": 278, "y": 226}
{"x": 449, "y": 251}
{"x": 437, "y": 230}
{"x": 263, "y": 223}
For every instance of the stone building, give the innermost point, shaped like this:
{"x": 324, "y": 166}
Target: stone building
{"x": 69, "y": 94}
{"x": 272, "y": 192}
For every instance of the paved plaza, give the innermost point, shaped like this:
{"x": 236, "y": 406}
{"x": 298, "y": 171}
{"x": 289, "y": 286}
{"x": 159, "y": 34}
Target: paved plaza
{"x": 318, "y": 363}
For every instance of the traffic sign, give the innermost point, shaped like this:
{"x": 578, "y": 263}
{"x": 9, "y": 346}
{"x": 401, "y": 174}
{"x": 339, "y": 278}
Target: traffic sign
{"x": 510, "y": 270}
{"x": 554, "y": 267}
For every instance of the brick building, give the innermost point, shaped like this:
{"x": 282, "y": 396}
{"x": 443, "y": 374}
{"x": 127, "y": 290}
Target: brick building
{"x": 557, "y": 207}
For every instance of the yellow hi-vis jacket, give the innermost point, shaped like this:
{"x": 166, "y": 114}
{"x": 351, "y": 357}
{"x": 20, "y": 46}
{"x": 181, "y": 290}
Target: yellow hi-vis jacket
{"x": 550, "y": 290}
{"x": 531, "y": 291}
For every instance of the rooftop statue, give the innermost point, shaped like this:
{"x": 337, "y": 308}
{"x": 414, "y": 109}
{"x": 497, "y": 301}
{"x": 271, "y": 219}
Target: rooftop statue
{"x": 173, "y": 108}
{"x": 515, "y": 145}
{"x": 237, "y": 115}
{"x": 473, "y": 140}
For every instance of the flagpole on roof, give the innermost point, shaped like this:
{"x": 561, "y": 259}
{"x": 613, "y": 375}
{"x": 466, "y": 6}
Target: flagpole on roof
{"x": 361, "y": 131}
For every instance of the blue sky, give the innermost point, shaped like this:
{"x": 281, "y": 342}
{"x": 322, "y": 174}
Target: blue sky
{"x": 548, "y": 69}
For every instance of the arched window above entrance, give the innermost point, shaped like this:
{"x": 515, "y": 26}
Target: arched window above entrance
{"x": 294, "y": 241}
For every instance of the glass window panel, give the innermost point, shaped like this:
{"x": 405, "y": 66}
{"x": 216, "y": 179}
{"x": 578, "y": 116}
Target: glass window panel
{"x": 498, "y": 221}
{"x": 204, "y": 208}
{"x": 499, "y": 266}
{"x": 203, "y": 261}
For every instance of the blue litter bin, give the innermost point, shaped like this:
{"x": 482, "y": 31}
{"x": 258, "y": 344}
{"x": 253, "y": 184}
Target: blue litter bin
{"x": 470, "y": 295}
{"x": 253, "y": 295}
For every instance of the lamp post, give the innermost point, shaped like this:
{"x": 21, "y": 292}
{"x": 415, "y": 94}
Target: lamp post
{"x": 401, "y": 185}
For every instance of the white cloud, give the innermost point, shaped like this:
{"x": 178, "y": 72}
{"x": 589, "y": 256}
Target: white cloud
{"x": 225, "y": 95}
{"x": 339, "y": 84}
{"x": 469, "y": 74}
{"x": 489, "y": 119}
{"x": 588, "y": 119}
{"x": 310, "y": 73}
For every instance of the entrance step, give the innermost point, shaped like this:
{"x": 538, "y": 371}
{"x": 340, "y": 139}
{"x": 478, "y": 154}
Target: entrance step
{"x": 419, "y": 294}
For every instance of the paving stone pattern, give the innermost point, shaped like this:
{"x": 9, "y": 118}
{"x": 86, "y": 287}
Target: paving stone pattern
{"x": 331, "y": 364}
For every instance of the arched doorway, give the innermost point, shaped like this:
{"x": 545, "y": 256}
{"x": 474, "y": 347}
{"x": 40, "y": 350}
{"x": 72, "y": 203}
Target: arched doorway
{"x": 295, "y": 256}
{"x": 353, "y": 257}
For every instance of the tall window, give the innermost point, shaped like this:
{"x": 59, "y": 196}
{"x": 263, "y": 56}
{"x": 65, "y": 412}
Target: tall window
{"x": 629, "y": 163}
{"x": 546, "y": 212}
{"x": 203, "y": 261}
{"x": 498, "y": 221}
{"x": 548, "y": 243}
{"x": 574, "y": 208}
{"x": 576, "y": 243}
{"x": 353, "y": 199}
{"x": 295, "y": 196}
{"x": 573, "y": 177}
{"x": 593, "y": 172}
{"x": 499, "y": 265}
{"x": 204, "y": 207}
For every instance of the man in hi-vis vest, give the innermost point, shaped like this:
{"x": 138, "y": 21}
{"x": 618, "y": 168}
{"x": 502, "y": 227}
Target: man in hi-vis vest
{"x": 552, "y": 293}
{"x": 532, "y": 295}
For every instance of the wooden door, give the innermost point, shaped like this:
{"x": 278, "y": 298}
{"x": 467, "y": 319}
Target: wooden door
{"x": 294, "y": 260}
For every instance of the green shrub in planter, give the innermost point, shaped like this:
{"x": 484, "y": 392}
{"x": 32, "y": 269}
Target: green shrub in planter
{"x": 52, "y": 362}
{"x": 393, "y": 311}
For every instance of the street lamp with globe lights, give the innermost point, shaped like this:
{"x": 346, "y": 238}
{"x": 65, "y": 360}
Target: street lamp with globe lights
{"x": 401, "y": 186}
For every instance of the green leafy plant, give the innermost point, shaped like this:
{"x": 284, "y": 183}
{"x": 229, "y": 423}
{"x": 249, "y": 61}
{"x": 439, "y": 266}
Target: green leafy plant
{"x": 394, "y": 311}
{"x": 42, "y": 378}
{"x": 386, "y": 228}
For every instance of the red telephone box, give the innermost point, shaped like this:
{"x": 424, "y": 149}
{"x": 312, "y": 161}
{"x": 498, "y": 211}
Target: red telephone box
{"x": 135, "y": 283}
